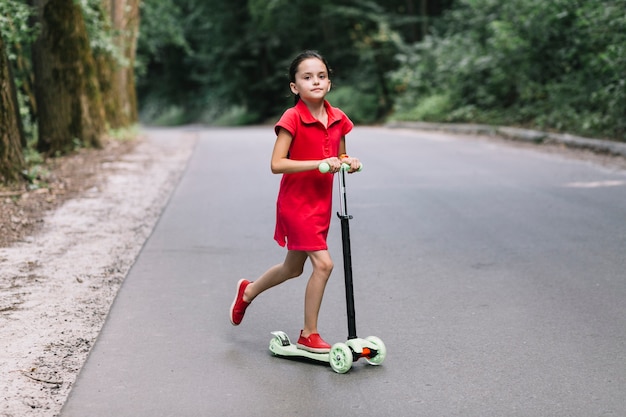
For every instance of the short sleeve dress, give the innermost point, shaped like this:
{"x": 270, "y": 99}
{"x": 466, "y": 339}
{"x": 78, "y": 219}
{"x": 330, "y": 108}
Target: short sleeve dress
{"x": 304, "y": 204}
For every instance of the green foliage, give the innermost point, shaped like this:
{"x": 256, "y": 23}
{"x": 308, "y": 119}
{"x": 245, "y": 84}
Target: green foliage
{"x": 124, "y": 134}
{"x": 162, "y": 29}
{"x": 207, "y": 56}
{"x": 36, "y": 176}
{"x": 35, "y": 172}
{"x": 360, "y": 106}
{"x": 18, "y": 32}
{"x": 233, "y": 116}
{"x": 554, "y": 65}
{"x": 163, "y": 114}
{"x": 99, "y": 28}
{"x": 15, "y": 26}
{"x": 430, "y": 109}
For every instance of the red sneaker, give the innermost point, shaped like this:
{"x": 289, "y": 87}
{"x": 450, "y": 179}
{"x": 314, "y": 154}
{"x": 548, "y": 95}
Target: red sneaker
{"x": 314, "y": 343}
{"x": 238, "y": 308}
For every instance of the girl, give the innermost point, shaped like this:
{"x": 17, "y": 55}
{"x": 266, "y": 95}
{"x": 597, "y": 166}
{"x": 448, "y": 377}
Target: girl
{"x": 308, "y": 134}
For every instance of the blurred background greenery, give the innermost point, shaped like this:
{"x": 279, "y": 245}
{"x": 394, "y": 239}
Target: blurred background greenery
{"x": 556, "y": 65}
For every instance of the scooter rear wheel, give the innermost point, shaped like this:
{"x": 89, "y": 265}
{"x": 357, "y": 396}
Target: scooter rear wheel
{"x": 380, "y": 347}
{"x": 341, "y": 358}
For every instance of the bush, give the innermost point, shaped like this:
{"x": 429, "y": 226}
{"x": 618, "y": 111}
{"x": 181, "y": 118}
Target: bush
{"x": 230, "y": 116}
{"x": 360, "y": 106}
{"x": 435, "y": 108}
{"x": 161, "y": 113}
{"x": 555, "y": 65}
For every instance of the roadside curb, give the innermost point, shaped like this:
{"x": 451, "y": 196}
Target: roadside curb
{"x": 524, "y": 135}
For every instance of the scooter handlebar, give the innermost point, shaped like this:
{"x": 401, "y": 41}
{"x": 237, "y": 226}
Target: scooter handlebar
{"x": 324, "y": 167}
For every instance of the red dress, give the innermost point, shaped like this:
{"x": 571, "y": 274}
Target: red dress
{"x": 304, "y": 205}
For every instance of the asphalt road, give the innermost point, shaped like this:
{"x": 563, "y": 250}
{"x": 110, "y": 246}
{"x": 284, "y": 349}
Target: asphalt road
{"x": 495, "y": 276}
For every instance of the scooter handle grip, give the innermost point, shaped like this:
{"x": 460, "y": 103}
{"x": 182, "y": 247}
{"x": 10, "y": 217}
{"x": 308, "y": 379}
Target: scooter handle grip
{"x": 324, "y": 167}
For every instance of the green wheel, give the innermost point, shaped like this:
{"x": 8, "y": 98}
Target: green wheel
{"x": 380, "y": 347}
{"x": 341, "y": 358}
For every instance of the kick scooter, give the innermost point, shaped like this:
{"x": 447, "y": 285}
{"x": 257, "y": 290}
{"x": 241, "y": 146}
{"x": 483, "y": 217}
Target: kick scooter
{"x": 341, "y": 355}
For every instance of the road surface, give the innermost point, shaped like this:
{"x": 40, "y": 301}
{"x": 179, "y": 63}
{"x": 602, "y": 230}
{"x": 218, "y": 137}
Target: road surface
{"x": 495, "y": 276}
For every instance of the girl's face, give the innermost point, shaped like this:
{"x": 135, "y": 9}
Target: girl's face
{"x": 311, "y": 81}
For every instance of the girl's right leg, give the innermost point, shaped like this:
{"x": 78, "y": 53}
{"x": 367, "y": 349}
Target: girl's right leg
{"x": 292, "y": 267}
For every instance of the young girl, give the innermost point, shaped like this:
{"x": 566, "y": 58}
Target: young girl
{"x": 308, "y": 134}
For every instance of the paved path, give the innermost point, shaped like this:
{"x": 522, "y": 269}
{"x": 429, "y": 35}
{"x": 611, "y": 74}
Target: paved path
{"x": 494, "y": 275}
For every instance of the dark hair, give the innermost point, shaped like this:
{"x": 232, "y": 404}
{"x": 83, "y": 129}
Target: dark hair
{"x": 293, "y": 68}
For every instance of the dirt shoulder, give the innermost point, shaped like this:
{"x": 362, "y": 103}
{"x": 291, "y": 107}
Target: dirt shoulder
{"x": 23, "y": 207}
{"x": 65, "y": 250}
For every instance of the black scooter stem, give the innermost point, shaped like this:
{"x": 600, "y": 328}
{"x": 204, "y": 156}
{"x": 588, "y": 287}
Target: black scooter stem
{"x": 347, "y": 271}
{"x": 347, "y": 256}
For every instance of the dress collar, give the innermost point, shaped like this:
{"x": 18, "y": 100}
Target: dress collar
{"x": 307, "y": 117}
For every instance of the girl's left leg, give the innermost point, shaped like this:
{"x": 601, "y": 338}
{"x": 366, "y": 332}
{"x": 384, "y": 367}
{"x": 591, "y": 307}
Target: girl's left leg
{"x": 322, "y": 267}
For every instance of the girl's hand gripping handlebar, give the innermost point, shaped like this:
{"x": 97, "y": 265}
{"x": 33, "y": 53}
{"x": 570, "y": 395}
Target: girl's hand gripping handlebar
{"x": 324, "y": 167}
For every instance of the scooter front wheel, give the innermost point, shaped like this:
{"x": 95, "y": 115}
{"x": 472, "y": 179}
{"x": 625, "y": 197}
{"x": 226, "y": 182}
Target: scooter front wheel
{"x": 275, "y": 345}
{"x": 341, "y": 358}
{"x": 380, "y": 347}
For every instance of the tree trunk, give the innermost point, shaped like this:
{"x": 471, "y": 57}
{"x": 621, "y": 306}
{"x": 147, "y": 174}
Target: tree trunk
{"x": 66, "y": 85}
{"x": 132, "y": 34}
{"x": 11, "y": 157}
{"x": 117, "y": 79}
{"x": 18, "y": 116}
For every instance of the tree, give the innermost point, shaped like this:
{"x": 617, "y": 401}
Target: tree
{"x": 126, "y": 21}
{"x": 11, "y": 158}
{"x": 116, "y": 65}
{"x": 68, "y": 97}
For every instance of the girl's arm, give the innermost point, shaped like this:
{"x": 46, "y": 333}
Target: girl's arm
{"x": 280, "y": 164}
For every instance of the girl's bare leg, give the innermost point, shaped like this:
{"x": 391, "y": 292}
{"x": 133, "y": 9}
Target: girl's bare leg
{"x": 292, "y": 267}
{"x": 322, "y": 267}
